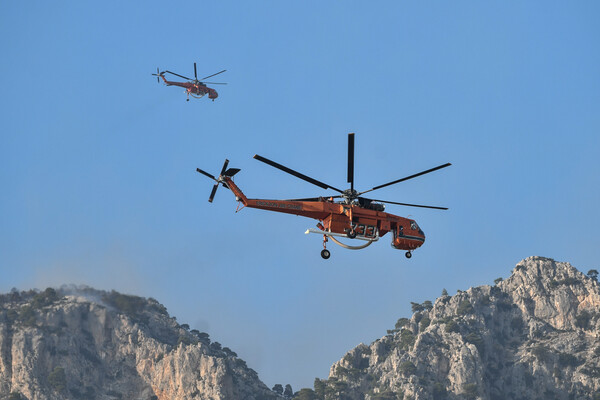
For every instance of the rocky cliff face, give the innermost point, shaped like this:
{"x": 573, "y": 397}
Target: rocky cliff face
{"x": 87, "y": 344}
{"x": 535, "y": 335}
{"x": 532, "y": 336}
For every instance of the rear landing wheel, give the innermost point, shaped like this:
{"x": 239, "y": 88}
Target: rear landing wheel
{"x": 408, "y": 254}
{"x": 325, "y": 254}
{"x": 351, "y": 233}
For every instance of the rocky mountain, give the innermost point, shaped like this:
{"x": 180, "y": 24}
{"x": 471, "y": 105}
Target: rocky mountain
{"x": 535, "y": 335}
{"x": 532, "y": 336}
{"x": 80, "y": 343}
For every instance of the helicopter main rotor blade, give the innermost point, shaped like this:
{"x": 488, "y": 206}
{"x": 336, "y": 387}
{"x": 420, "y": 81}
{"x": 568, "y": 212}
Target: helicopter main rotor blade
{"x": 212, "y": 74}
{"x": 181, "y": 76}
{"x": 212, "y": 193}
{"x": 224, "y": 166}
{"x": 408, "y": 204}
{"x": 351, "y": 161}
{"x": 215, "y": 83}
{"x": 296, "y": 174}
{"x": 206, "y": 174}
{"x": 407, "y": 178}
{"x": 195, "y": 74}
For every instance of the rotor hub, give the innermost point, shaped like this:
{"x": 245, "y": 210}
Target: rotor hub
{"x": 350, "y": 195}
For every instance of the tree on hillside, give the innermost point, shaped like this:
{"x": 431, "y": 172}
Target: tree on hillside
{"x": 288, "y": 392}
{"x": 306, "y": 394}
{"x": 278, "y": 389}
{"x": 416, "y": 307}
{"x": 427, "y": 305}
{"x": 319, "y": 388}
{"x": 592, "y": 273}
{"x": 401, "y": 323}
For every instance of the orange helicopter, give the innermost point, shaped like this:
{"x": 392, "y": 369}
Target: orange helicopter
{"x": 194, "y": 87}
{"x": 353, "y": 217}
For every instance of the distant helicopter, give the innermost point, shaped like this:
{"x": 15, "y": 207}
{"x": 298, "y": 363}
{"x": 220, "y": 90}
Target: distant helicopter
{"x": 194, "y": 87}
{"x": 354, "y": 217}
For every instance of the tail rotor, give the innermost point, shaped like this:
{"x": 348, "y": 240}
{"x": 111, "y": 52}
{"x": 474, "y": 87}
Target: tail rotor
{"x": 220, "y": 180}
{"x": 158, "y": 74}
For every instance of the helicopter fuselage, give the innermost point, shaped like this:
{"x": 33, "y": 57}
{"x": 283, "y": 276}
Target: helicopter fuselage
{"x": 340, "y": 218}
{"x": 194, "y": 88}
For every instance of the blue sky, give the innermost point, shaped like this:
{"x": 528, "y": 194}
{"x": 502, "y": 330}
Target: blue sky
{"x": 97, "y": 160}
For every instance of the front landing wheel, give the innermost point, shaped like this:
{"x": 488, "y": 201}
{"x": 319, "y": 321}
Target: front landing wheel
{"x": 325, "y": 254}
{"x": 408, "y": 254}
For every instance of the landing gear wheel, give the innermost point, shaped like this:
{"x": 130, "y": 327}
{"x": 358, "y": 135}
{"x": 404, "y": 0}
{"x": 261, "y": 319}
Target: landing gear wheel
{"x": 408, "y": 254}
{"x": 325, "y": 254}
{"x": 351, "y": 233}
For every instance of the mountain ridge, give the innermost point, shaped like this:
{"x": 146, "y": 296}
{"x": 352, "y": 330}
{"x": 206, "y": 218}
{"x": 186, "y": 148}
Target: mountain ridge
{"x": 81, "y": 343}
{"x": 534, "y": 335}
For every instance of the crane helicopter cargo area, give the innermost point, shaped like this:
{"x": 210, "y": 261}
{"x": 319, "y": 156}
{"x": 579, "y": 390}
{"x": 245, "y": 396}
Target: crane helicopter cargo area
{"x": 193, "y": 87}
{"x": 352, "y": 216}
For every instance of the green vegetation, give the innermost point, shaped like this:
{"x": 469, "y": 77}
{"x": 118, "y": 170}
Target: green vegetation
{"x": 568, "y": 281}
{"x": 424, "y": 323}
{"x": 401, "y": 323}
{"x": 335, "y": 389}
{"x": 407, "y": 368}
{"x": 156, "y": 306}
{"x": 416, "y": 307}
{"x": 184, "y": 340}
{"x": 58, "y": 379}
{"x": 439, "y": 391}
{"x": 278, "y": 388}
{"x": 452, "y": 326}
{"x": 517, "y": 324}
{"x": 470, "y": 391}
{"x": 592, "y": 273}
{"x": 464, "y": 308}
{"x": 27, "y": 315}
{"x": 592, "y": 372}
{"x": 497, "y": 281}
{"x": 407, "y": 340}
{"x": 229, "y": 352}
{"x": 567, "y": 360}
{"x": 541, "y": 353}
{"x": 132, "y": 306}
{"x": 475, "y": 339}
{"x": 201, "y": 336}
{"x": 319, "y": 386}
{"x": 485, "y": 300}
{"x": 444, "y": 292}
{"x": 306, "y": 394}
{"x": 45, "y": 298}
{"x": 288, "y": 392}
{"x": 15, "y": 396}
{"x": 386, "y": 395}
{"x": 582, "y": 320}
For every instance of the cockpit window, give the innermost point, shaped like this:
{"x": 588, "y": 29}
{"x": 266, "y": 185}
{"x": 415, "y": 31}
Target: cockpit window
{"x": 413, "y": 225}
{"x": 399, "y": 231}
